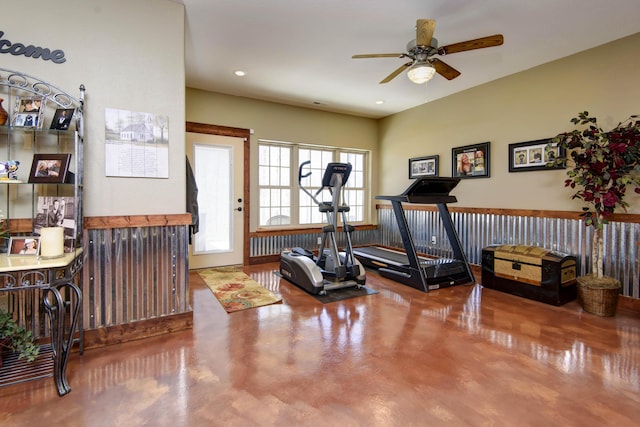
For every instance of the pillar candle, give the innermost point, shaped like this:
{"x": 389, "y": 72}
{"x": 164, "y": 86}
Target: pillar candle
{"x": 51, "y": 242}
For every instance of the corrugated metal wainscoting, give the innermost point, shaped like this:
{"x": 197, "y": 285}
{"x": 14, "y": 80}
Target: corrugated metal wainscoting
{"x": 478, "y": 230}
{"x": 135, "y": 273}
{"x": 274, "y": 244}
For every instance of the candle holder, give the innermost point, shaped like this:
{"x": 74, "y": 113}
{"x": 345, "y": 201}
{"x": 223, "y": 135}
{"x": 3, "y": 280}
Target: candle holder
{"x": 51, "y": 242}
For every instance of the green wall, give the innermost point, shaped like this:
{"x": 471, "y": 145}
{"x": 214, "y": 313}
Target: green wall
{"x": 284, "y": 123}
{"x": 131, "y": 58}
{"x": 129, "y": 55}
{"x": 533, "y": 104}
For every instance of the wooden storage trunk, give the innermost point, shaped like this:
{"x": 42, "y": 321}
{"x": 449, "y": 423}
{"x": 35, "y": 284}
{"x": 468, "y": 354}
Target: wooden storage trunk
{"x": 531, "y": 272}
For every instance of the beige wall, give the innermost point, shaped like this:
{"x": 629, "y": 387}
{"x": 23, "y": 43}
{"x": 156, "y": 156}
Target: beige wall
{"x": 283, "y": 123}
{"x": 129, "y": 55}
{"x": 534, "y": 104}
{"x": 134, "y": 61}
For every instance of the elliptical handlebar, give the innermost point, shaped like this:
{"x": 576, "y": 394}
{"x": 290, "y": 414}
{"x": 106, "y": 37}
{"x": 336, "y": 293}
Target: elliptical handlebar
{"x": 334, "y": 178}
{"x": 300, "y": 174}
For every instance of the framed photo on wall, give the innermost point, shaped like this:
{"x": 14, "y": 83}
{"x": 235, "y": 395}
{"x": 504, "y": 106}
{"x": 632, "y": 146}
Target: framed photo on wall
{"x": 534, "y": 156}
{"x": 423, "y": 166}
{"x": 49, "y": 168}
{"x": 470, "y": 161}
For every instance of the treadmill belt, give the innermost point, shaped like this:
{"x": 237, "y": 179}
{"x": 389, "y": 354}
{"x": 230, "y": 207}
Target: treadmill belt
{"x": 380, "y": 254}
{"x": 436, "y": 270}
{"x": 391, "y": 257}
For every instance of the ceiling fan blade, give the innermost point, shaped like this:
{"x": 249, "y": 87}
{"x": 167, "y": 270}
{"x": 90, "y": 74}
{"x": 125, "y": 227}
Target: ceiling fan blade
{"x": 444, "y": 69}
{"x": 424, "y": 31}
{"x": 489, "y": 41}
{"x": 378, "y": 55}
{"x": 399, "y": 70}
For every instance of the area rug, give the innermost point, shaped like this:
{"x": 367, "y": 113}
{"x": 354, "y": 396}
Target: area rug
{"x": 235, "y": 290}
{"x": 337, "y": 294}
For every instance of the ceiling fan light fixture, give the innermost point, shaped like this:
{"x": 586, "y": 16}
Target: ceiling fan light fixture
{"x": 421, "y": 72}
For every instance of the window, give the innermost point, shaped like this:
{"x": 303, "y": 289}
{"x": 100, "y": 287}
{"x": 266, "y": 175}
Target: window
{"x": 308, "y": 210}
{"x": 274, "y": 180}
{"x": 354, "y": 190}
{"x": 280, "y": 203}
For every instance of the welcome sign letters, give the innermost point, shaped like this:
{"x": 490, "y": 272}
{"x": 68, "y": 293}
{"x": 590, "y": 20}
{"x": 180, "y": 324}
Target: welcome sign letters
{"x": 31, "y": 51}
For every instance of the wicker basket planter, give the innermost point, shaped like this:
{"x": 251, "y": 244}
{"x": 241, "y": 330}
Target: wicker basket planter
{"x": 598, "y": 295}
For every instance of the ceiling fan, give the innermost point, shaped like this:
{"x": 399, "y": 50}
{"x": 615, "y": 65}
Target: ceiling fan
{"x": 423, "y": 65}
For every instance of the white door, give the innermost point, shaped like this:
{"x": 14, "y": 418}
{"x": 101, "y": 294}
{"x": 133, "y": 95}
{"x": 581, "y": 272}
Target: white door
{"x": 218, "y": 166}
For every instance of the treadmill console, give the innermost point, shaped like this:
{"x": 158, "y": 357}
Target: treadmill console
{"x": 427, "y": 190}
{"x": 431, "y": 186}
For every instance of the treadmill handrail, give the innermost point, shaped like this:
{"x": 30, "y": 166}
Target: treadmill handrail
{"x": 427, "y": 200}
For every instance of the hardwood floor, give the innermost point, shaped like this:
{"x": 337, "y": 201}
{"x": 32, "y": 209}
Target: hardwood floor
{"x": 460, "y": 356}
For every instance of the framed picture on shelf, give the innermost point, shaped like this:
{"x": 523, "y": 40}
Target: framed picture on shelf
{"x": 24, "y": 245}
{"x": 62, "y": 118}
{"x": 470, "y": 161}
{"x": 423, "y": 166}
{"x": 49, "y": 168}
{"x": 28, "y": 111}
{"x": 56, "y": 211}
{"x": 534, "y": 156}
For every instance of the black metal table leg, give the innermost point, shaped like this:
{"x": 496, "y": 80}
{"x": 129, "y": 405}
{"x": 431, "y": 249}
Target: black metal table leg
{"x": 62, "y": 338}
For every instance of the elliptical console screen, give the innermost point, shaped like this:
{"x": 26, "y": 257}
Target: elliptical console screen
{"x": 332, "y": 169}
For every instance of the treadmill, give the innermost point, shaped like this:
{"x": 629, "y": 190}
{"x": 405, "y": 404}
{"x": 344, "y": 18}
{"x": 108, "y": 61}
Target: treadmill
{"x": 407, "y": 267}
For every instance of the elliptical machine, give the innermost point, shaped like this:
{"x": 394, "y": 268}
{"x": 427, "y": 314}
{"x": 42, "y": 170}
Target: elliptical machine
{"x": 331, "y": 269}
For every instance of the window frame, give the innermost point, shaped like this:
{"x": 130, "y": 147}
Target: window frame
{"x": 294, "y": 187}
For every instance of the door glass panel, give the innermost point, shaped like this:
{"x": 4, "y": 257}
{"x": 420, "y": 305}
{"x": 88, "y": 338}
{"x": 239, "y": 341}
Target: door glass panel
{"x": 213, "y": 177}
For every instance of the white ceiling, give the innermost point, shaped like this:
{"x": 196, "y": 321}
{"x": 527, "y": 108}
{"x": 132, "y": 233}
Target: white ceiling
{"x": 298, "y": 52}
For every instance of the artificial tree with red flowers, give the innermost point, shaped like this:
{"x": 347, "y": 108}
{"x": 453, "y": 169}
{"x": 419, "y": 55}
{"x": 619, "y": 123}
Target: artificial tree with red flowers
{"x": 604, "y": 164}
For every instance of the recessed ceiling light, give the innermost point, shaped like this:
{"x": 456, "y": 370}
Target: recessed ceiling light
{"x": 380, "y": 101}
{"x": 240, "y": 73}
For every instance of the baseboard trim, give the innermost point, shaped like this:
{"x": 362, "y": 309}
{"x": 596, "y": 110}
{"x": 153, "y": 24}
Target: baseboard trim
{"x": 102, "y": 337}
{"x": 629, "y": 304}
{"x": 264, "y": 259}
